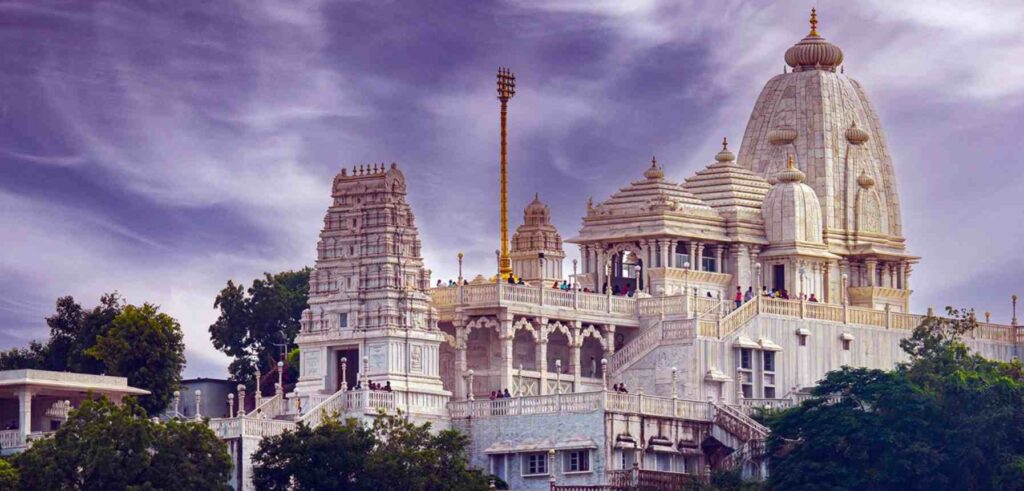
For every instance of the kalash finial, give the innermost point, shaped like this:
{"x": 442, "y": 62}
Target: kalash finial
{"x": 814, "y": 21}
{"x": 789, "y": 162}
{"x": 725, "y": 143}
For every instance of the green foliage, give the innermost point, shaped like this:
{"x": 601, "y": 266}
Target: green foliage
{"x": 948, "y": 419}
{"x": 20, "y": 358}
{"x": 254, "y": 321}
{"x": 8, "y": 476}
{"x": 105, "y": 446}
{"x": 392, "y": 455}
{"x": 147, "y": 347}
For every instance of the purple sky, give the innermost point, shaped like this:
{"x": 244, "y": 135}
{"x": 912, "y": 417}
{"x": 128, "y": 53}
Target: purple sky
{"x": 162, "y": 148}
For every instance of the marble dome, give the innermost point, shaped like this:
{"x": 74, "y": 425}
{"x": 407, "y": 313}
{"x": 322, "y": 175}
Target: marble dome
{"x": 791, "y": 210}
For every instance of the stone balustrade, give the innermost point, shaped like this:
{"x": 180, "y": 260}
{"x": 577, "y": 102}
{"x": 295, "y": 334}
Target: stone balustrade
{"x": 495, "y": 294}
{"x": 842, "y": 314}
{"x": 11, "y": 439}
{"x": 615, "y": 402}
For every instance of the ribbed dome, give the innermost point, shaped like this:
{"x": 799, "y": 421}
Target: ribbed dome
{"x": 654, "y": 172}
{"x": 814, "y": 51}
{"x": 856, "y": 135}
{"x": 791, "y": 210}
{"x": 782, "y": 136}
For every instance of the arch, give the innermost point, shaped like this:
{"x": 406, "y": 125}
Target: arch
{"x": 524, "y": 323}
{"x": 591, "y": 331}
{"x": 558, "y": 326}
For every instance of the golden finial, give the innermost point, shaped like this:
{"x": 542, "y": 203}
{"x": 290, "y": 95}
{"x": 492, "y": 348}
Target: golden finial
{"x": 814, "y": 22}
{"x": 789, "y": 164}
{"x": 725, "y": 143}
{"x": 654, "y": 161}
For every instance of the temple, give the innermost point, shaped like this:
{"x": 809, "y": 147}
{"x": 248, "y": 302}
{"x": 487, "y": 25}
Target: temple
{"x": 738, "y": 288}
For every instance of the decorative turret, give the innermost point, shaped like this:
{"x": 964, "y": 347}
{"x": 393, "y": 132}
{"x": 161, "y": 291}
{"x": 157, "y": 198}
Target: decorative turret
{"x": 814, "y": 52}
{"x": 791, "y": 210}
{"x": 537, "y": 252}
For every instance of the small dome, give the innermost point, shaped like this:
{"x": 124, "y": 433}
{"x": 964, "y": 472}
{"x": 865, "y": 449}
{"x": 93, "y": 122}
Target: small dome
{"x": 654, "y": 172}
{"x": 856, "y": 135}
{"x": 536, "y": 212}
{"x": 791, "y": 210}
{"x": 814, "y": 51}
{"x": 782, "y": 136}
{"x": 790, "y": 173}
{"x": 725, "y": 155}
{"x": 865, "y": 181}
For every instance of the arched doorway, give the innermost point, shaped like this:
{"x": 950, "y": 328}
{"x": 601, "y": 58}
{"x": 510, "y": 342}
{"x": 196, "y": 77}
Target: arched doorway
{"x": 627, "y": 272}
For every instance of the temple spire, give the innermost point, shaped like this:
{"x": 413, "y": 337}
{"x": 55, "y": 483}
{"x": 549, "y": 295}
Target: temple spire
{"x": 814, "y": 22}
{"x": 506, "y": 89}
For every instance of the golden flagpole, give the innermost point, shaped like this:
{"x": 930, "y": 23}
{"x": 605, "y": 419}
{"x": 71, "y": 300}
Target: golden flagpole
{"x": 506, "y": 89}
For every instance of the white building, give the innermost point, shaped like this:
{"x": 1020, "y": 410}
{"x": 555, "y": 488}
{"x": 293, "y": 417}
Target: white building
{"x": 809, "y": 209}
{"x": 34, "y": 403}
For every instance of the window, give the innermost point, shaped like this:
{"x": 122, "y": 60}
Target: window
{"x": 535, "y": 464}
{"x": 664, "y": 462}
{"x": 343, "y": 319}
{"x": 846, "y": 345}
{"x": 577, "y": 461}
{"x": 709, "y": 264}
{"x": 769, "y": 392}
{"x": 748, "y": 391}
{"x": 626, "y": 459}
{"x": 769, "y": 361}
{"x": 745, "y": 356}
{"x": 803, "y": 339}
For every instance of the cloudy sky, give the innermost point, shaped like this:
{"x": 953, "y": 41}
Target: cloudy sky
{"x": 162, "y": 148}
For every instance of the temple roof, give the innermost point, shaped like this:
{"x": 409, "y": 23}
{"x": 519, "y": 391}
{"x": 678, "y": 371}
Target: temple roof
{"x": 726, "y": 186}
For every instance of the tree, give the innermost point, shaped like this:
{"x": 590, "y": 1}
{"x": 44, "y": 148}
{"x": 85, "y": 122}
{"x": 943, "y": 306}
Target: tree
{"x": 8, "y": 476}
{"x": 73, "y": 330}
{"x": 19, "y": 358}
{"x": 330, "y": 456}
{"x": 393, "y": 454}
{"x": 147, "y": 347}
{"x": 106, "y": 446}
{"x": 947, "y": 419}
{"x": 258, "y": 320}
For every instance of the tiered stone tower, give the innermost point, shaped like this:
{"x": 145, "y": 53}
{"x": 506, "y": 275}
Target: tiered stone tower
{"x": 368, "y": 303}
{"x": 823, "y": 118}
{"x": 537, "y": 242}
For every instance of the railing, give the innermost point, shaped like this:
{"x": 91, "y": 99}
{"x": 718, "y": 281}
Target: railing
{"x": 270, "y": 408}
{"x": 541, "y": 295}
{"x": 615, "y": 402}
{"x": 650, "y": 480}
{"x": 842, "y": 314}
{"x": 11, "y": 439}
{"x": 764, "y": 403}
{"x": 335, "y": 404}
{"x": 647, "y": 340}
{"x": 226, "y": 428}
{"x": 738, "y": 423}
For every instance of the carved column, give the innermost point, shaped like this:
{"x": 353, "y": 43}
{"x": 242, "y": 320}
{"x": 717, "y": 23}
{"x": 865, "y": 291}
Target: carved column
{"x": 506, "y": 336}
{"x": 718, "y": 258}
{"x": 699, "y": 266}
{"x": 609, "y": 340}
{"x": 663, "y": 248}
{"x": 693, "y": 255}
{"x": 461, "y": 364}
{"x": 542, "y": 353}
{"x": 574, "y": 354}
{"x": 754, "y": 251}
{"x": 24, "y": 414}
{"x": 872, "y": 271}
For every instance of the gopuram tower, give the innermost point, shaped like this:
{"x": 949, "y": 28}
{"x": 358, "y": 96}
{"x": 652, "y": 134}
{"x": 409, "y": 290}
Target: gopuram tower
{"x": 824, "y": 120}
{"x": 369, "y": 316}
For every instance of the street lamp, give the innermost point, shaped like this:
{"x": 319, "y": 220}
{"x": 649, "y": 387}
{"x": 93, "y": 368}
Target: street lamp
{"x": 540, "y": 269}
{"x": 469, "y": 394}
{"x": 497, "y": 257}
{"x": 636, "y": 269}
{"x": 280, "y": 377}
{"x": 231, "y": 405}
{"x": 760, "y": 281}
{"x": 460, "y": 268}
{"x": 575, "y": 280}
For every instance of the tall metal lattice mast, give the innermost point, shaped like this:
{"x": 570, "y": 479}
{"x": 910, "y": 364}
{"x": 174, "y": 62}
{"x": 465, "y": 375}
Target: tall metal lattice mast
{"x": 506, "y": 89}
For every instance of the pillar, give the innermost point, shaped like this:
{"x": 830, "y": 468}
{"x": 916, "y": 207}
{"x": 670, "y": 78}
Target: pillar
{"x": 648, "y": 262}
{"x": 718, "y": 258}
{"x": 609, "y": 335}
{"x": 461, "y": 364}
{"x": 663, "y": 248}
{"x": 574, "y": 354}
{"x": 541, "y": 348}
{"x": 754, "y": 251}
{"x": 693, "y": 255}
{"x": 872, "y": 271}
{"x": 25, "y": 414}
{"x": 506, "y": 336}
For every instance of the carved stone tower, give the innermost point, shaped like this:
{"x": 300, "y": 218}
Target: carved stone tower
{"x": 537, "y": 252}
